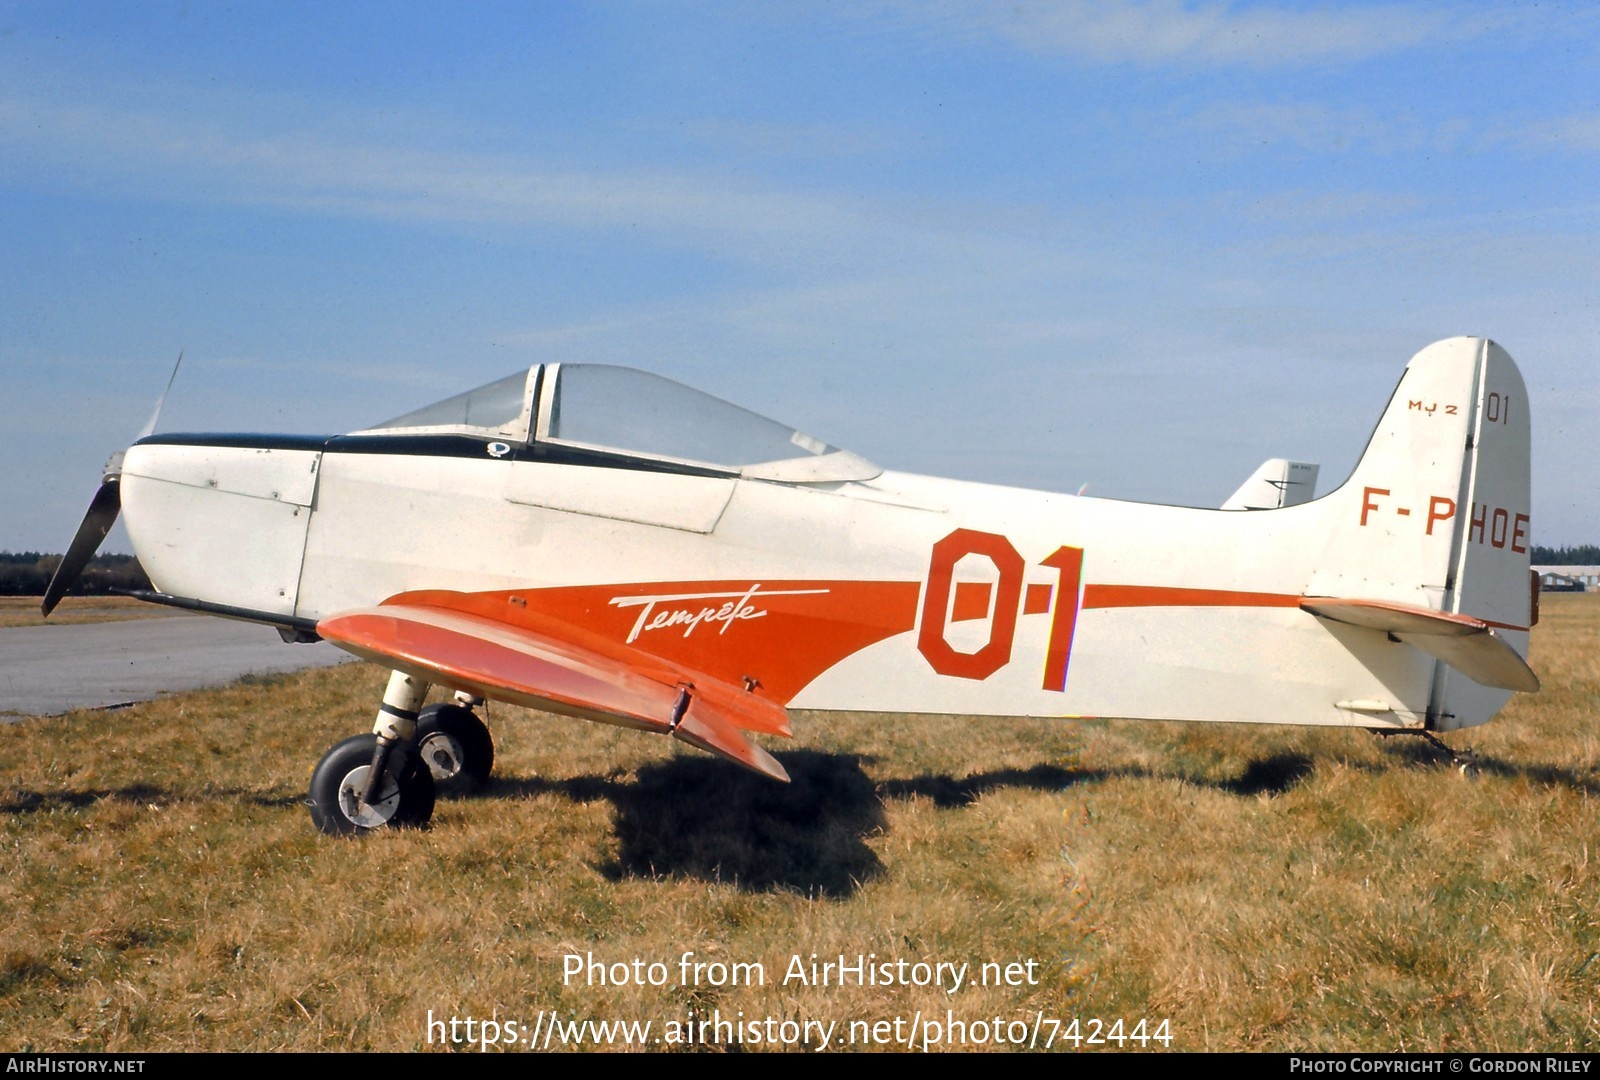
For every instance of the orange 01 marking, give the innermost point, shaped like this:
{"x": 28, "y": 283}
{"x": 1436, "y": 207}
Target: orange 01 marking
{"x": 996, "y": 652}
{"x": 1068, "y": 562}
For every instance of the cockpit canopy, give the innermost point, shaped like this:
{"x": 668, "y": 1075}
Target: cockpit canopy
{"x": 628, "y": 413}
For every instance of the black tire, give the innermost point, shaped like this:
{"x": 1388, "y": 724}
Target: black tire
{"x": 456, "y": 747}
{"x": 405, "y": 800}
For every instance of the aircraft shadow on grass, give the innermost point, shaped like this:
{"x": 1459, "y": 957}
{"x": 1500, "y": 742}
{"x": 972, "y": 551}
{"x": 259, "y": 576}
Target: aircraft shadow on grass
{"x": 696, "y": 818}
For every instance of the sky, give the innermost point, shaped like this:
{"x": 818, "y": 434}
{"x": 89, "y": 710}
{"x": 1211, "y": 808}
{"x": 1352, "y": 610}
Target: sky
{"x": 1138, "y": 246}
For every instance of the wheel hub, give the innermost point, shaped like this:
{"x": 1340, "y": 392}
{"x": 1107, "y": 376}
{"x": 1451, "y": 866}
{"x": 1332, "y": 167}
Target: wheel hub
{"x": 373, "y": 815}
{"x": 444, "y": 755}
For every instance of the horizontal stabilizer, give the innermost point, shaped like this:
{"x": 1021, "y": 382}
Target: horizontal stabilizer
{"x": 1469, "y": 645}
{"x": 543, "y": 670}
{"x": 1277, "y": 483}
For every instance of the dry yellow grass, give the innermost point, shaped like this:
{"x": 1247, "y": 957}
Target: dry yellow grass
{"x": 24, "y": 610}
{"x": 1259, "y": 889}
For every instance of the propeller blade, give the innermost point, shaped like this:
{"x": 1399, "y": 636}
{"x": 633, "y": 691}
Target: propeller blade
{"x": 102, "y": 514}
{"x": 150, "y": 428}
{"x": 103, "y": 510}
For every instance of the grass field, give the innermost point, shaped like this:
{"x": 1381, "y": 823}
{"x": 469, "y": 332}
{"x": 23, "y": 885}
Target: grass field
{"x": 1267, "y": 889}
{"x": 24, "y": 610}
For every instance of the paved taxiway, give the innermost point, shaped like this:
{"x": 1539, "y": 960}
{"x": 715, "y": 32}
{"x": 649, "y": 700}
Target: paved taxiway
{"x": 53, "y": 669}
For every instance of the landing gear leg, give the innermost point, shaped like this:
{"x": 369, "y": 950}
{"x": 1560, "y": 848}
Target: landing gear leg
{"x": 376, "y": 780}
{"x": 1465, "y": 761}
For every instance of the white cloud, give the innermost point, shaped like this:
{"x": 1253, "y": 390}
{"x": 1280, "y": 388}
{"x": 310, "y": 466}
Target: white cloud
{"x": 1244, "y": 126}
{"x": 1305, "y": 125}
{"x": 1576, "y": 133}
{"x": 794, "y": 140}
{"x": 234, "y": 153}
{"x": 1206, "y": 34}
{"x": 179, "y": 155}
{"x": 1300, "y": 206}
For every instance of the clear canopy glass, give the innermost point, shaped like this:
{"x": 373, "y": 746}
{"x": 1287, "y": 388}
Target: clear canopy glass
{"x": 495, "y": 408}
{"x": 635, "y": 413}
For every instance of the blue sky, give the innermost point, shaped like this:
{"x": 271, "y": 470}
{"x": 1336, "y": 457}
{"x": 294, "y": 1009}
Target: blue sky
{"x": 1142, "y": 246}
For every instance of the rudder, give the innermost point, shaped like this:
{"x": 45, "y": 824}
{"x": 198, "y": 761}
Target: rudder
{"x": 1491, "y": 578}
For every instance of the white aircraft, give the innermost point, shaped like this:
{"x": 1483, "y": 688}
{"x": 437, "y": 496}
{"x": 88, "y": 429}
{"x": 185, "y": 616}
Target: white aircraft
{"x": 605, "y": 543}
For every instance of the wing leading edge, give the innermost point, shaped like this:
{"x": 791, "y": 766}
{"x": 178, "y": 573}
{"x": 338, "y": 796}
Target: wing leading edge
{"x": 560, "y": 669}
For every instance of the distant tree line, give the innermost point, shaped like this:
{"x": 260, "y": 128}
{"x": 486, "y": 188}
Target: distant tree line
{"x": 1580, "y": 555}
{"x": 26, "y": 573}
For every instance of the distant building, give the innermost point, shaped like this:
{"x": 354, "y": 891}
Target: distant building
{"x": 1568, "y": 578}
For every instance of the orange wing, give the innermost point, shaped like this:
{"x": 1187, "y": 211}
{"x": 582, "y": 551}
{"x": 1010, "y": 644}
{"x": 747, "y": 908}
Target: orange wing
{"x": 562, "y": 669}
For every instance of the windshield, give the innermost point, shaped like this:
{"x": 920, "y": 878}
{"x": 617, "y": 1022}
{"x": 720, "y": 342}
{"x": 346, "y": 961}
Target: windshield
{"x": 497, "y": 408}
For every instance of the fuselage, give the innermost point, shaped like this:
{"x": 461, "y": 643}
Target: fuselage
{"x": 899, "y": 593}
{"x": 659, "y": 520}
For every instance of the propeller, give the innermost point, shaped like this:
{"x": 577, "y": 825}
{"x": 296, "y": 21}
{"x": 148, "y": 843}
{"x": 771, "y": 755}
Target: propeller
{"x": 102, "y": 514}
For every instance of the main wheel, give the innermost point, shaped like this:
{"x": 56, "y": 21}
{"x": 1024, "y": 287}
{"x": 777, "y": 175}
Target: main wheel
{"x": 404, "y": 798}
{"x": 455, "y": 745}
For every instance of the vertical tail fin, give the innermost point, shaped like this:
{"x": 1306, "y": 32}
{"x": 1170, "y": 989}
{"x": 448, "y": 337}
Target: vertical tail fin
{"x": 1436, "y": 513}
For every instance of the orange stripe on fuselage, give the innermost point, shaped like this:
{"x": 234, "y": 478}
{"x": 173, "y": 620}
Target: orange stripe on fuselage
{"x": 780, "y": 633}
{"x": 1118, "y": 596}
{"x": 971, "y": 601}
